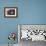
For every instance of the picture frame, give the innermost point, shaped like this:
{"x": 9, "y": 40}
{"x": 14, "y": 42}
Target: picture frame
{"x": 10, "y": 12}
{"x": 37, "y": 29}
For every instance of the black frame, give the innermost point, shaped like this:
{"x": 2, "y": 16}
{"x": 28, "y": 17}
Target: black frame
{"x": 11, "y": 16}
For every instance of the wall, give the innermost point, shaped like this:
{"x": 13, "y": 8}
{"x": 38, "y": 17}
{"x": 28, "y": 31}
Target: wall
{"x": 29, "y": 12}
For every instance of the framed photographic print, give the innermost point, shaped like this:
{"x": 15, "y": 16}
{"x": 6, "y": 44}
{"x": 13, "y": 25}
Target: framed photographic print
{"x": 33, "y": 32}
{"x": 11, "y": 12}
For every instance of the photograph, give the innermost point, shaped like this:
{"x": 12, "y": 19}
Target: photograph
{"x": 32, "y": 32}
{"x": 11, "y": 12}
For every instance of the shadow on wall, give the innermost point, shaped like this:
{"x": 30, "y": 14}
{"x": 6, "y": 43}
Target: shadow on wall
{"x": 30, "y": 43}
